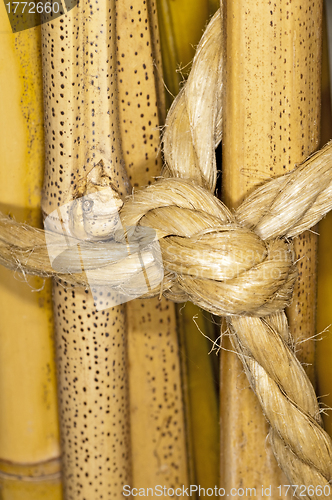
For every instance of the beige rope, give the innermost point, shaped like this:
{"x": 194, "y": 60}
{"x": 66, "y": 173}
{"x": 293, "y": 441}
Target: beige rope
{"x": 194, "y": 122}
{"x": 236, "y": 265}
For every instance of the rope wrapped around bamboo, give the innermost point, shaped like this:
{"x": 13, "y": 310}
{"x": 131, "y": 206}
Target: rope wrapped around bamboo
{"x": 239, "y": 265}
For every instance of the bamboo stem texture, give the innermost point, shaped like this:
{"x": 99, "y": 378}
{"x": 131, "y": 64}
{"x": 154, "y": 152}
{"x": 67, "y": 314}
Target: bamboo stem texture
{"x": 81, "y": 117}
{"x": 272, "y": 109}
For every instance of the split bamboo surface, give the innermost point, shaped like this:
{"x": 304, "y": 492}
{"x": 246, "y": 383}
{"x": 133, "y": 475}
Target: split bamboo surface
{"x": 29, "y": 440}
{"x": 80, "y": 72}
{"x": 271, "y": 122}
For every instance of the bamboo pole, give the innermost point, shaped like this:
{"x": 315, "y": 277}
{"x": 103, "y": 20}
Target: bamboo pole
{"x": 158, "y": 437}
{"x": 182, "y": 24}
{"x": 80, "y": 84}
{"x": 272, "y": 111}
{"x": 324, "y": 275}
{"x": 29, "y": 447}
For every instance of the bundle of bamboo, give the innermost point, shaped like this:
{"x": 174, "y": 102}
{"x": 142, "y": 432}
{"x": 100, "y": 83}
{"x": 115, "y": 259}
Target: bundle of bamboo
{"x": 123, "y": 413}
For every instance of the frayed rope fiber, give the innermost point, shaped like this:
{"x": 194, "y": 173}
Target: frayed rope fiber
{"x": 239, "y": 265}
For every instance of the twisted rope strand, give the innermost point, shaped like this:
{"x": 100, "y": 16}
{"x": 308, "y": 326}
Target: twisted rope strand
{"x": 194, "y": 122}
{"x": 286, "y": 395}
{"x": 238, "y": 265}
{"x": 289, "y": 205}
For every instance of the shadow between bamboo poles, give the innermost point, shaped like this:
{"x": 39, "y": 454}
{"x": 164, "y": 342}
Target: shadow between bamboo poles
{"x": 159, "y": 447}
{"x": 272, "y": 113}
{"x": 29, "y": 439}
{"x": 81, "y": 118}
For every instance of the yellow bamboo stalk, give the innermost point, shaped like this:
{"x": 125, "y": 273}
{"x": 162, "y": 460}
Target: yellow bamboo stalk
{"x": 29, "y": 448}
{"x": 158, "y": 436}
{"x": 182, "y": 24}
{"x": 181, "y": 27}
{"x": 213, "y": 6}
{"x": 203, "y": 414}
{"x": 80, "y": 79}
{"x": 22, "y": 489}
{"x": 272, "y": 110}
{"x": 324, "y": 275}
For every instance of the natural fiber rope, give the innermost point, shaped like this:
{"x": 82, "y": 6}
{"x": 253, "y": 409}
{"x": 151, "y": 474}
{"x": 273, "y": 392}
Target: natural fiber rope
{"x": 236, "y": 265}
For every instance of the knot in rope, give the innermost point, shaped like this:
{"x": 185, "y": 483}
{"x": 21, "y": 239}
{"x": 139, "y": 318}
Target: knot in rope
{"x": 228, "y": 263}
{"x": 208, "y": 256}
